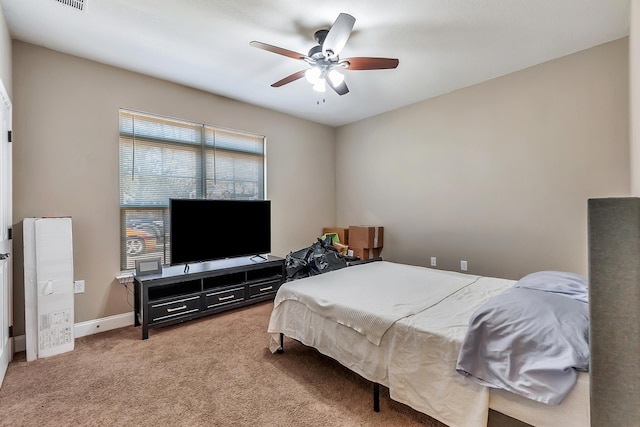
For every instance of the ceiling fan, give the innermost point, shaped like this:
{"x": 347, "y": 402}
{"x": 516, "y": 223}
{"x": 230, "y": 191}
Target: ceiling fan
{"x": 325, "y": 60}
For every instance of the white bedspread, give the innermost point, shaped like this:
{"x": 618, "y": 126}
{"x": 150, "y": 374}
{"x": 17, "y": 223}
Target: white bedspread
{"x": 378, "y": 294}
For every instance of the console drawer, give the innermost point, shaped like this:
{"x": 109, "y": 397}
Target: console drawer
{"x": 264, "y": 288}
{"x": 179, "y": 307}
{"x": 220, "y": 297}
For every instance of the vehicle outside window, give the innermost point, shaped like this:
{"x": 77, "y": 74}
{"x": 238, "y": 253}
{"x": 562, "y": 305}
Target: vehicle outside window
{"x": 146, "y": 234}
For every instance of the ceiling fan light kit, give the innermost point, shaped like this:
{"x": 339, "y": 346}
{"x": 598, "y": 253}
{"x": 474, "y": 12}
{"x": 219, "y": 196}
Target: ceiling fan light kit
{"x": 324, "y": 58}
{"x": 320, "y": 86}
{"x": 312, "y": 75}
{"x": 317, "y": 78}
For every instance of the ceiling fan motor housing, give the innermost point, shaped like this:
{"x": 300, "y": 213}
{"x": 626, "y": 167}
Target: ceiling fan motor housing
{"x": 316, "y": 52}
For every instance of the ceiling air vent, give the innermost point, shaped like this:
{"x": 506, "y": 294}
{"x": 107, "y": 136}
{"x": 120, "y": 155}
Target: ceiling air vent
{"x": 76, "y": 4}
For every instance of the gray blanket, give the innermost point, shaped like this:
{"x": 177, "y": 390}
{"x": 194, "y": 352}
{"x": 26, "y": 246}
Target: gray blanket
{"x": 531, "y": 339}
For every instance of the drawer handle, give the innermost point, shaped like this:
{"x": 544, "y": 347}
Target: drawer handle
{"x": 182, "y": 307}
{"x": 226, "y": 298}
{"x": 268, "y": 288}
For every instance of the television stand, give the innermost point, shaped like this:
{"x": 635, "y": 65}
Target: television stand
{"x": 258, "y": 256}
{"x": 180, "y": 294}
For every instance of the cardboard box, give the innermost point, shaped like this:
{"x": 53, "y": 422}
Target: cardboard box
{"x": 365, "y": 236}
{"x": 343, "y": 233}
{"x": 366, "y": 253}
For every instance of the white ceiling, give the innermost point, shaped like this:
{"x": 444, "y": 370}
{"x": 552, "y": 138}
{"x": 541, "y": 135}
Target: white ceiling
{"x": 442, "y": 45}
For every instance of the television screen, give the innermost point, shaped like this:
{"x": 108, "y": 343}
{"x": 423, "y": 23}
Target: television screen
{"x": 204, "y": 230}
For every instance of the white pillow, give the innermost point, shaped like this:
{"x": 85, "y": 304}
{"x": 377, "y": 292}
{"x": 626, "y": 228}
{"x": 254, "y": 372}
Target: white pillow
{"x": 559, "y": 282}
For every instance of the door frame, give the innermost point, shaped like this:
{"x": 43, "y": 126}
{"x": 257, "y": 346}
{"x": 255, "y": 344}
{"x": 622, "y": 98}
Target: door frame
{"x": 6, "y": 223}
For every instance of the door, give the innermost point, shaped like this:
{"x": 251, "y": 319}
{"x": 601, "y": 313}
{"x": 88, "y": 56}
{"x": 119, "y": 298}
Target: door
{"x": 6, "y": 221}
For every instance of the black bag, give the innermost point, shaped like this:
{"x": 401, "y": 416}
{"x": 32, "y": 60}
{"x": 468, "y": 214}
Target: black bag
{"x": 296, "y": 264}
{"x": 319, "y": 258}
{"x": 324, "y": 257}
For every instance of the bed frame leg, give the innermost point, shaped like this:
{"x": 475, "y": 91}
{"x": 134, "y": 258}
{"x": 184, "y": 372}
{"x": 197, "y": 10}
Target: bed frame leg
{"x": 281, "y": 349}
{"x": 376, "y": 397}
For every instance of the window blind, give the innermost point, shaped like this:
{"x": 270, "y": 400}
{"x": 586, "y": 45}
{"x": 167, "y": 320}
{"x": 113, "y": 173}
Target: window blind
{"x": 163, "y": 158}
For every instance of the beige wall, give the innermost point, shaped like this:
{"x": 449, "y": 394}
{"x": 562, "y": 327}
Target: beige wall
{"x": 66, "y": 162}
{"x": 497, "y": 174}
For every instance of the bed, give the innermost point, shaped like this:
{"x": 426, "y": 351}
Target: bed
{"x": 405, "y": 327}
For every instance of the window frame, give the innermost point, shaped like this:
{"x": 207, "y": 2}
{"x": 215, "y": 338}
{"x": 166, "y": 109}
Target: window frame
{"x": 242, "y": 150}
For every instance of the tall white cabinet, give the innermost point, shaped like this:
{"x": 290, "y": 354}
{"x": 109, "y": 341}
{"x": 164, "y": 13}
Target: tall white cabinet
{"x": 48, "y": 281}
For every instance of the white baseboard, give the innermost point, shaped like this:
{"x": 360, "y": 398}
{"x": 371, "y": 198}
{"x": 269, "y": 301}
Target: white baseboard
{"x": 86, "y": 328}
{"x": 103, "y": 324}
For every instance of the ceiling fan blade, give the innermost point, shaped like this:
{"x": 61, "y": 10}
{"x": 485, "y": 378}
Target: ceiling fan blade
{"x": 278, "y": 50}
{"x": 370, "y": 63}
{"x": 338, "y": 35}
{"x": 293, "y": 77}
{"x": 340, "y": 89}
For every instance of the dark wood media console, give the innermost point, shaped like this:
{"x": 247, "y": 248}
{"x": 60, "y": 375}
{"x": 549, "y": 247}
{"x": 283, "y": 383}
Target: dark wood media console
{"x": 175, "y": 296}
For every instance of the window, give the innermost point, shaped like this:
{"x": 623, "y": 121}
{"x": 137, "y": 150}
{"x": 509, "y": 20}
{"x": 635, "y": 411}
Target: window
{"x": 163, "y": 158}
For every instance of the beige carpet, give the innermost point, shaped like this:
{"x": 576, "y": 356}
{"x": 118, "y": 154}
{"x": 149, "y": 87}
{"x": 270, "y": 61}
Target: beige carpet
{"x": 215, "y": 371}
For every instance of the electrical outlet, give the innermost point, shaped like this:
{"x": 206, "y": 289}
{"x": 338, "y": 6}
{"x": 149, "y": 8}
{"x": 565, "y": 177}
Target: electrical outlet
{"x": 463, "y": 265}
{"x": 433, "y": 261}
{"x": 78, "y": 286}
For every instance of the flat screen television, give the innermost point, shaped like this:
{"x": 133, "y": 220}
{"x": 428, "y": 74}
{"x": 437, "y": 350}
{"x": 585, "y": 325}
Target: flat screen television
{"x": 205, "y": 230}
